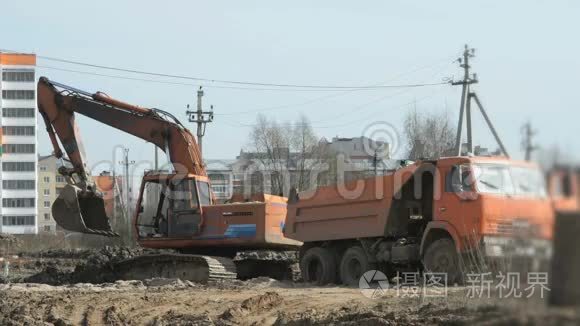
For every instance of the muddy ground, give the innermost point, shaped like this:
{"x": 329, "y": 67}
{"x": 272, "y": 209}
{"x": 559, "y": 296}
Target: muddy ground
{"x": 52, "y": 288}
{"x": 253, "y": 302}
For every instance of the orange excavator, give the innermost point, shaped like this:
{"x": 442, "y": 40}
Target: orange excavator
{"x": 175, "y": 210}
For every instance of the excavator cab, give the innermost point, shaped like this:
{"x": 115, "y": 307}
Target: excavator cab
{"x": 171, "y": 207}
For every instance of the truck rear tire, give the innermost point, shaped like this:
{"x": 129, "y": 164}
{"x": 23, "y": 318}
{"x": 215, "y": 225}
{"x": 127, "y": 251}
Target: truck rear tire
{"x": 353, "y": 265}
{"x": 442, "y": 257}
{"x": 318, "y": 265}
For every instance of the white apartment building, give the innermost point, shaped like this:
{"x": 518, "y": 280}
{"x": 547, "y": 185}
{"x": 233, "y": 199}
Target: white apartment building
{"x": 18, "y": 156}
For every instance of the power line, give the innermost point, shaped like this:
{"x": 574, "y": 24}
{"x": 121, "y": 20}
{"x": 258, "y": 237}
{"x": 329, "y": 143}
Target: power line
{"x": 343, "y": 91}
{"x": 189, "y": 84}
{"x": 318, "y": 99}
{"x": 271, "y": 108}
{"x": 224, "y": 81}
{"x": 235, "y": 123}
{"x": 206, "y": 85}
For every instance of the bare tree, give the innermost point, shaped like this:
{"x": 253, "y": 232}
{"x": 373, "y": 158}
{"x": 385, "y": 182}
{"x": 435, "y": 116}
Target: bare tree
{"x": 269, "y": 142}
{"x": 304, "y": 144}
{"x": 429, "y": 135}
{"x": 286, "y": 152}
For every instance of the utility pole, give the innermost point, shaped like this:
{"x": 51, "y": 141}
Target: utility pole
{"x": 375, "y": 162}
{"x": 465, "y": 84}
{"x": 466, "y": 96}
{"x": 156, "y": 157}
{"x": 201, "y": 118}
{"x": 126, "y": 164}
{"x": 527, "y": 144}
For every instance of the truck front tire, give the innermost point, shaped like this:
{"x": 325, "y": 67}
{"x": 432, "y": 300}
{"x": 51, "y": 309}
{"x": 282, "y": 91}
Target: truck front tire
{"x": 442, "y": 257}
{"x": 318, "y": 265}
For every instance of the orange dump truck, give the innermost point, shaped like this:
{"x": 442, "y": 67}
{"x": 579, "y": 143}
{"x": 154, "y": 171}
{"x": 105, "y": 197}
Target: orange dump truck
{"x": 429, "y": 214}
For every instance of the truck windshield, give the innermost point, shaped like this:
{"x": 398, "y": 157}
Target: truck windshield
{"x": 503, "y": 179}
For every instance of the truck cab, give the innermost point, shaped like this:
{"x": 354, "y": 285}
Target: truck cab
{"x": 495, "y": 202}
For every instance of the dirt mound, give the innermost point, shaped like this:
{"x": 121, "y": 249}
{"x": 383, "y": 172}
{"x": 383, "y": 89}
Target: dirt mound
{"x": 425, "y": 315}
{"x": 92, "y": 266}
{"x": 174, "y": 318}
{"x": 59, "y": 253}
{"x": 252, "y": 305}
{"x": 28, "y": 314}
{"x": 51, "y": 274}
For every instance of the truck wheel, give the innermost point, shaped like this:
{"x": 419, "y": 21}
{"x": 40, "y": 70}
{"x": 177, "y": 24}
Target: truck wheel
{"x": 353, "y": 265}
{"x": 318, "y": 265}
{"x": 441, "y": 257}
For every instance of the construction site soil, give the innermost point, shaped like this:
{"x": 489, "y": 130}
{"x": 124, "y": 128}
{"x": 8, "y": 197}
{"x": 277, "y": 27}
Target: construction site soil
{"x": 72, "y": 287}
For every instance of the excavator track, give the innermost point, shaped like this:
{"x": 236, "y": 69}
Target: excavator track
{"x": 195, "y": 268}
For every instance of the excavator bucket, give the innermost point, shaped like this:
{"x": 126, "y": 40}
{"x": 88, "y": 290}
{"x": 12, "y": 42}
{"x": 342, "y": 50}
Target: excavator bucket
{"x": 81, "y": 212}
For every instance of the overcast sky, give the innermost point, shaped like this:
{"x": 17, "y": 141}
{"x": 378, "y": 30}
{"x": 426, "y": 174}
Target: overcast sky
{"x": 527, "y": 62}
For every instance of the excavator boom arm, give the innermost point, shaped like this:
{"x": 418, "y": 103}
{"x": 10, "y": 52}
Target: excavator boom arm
{"x": 58, "y": 104}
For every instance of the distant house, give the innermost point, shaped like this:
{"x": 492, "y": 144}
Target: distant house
{"x": 221, "y": 174}
{"x": 253, "y": 172}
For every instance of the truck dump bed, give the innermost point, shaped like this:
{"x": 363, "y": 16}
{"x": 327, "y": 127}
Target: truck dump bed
{"x": 356, "y": 209}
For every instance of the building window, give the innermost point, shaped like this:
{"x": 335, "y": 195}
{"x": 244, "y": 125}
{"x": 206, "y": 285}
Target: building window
{"x": 18, "y": 202}
{"x": 46, "y": 204}
{"x": 18, "y": 148}
{"x": 18, "y": 76}
{"x": 47, "y": 216}
{"x": 218, "y": 188}
{"x": 46, "y": 192}
{"x": 42, "y": 167}
{"x": 47, "y": 228}
{"x": 17, "y": 94}
{"x": 18, "y": 112}
{"x": 18, "y": 131}
{"x": 18, "y": 166}
{"x": 217, "y": 177}
{"x": 46, "y": 179}
{"x": 18, "y": 220}
{"x": 18, "y": 184}
{"x": 60, "y": 178}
